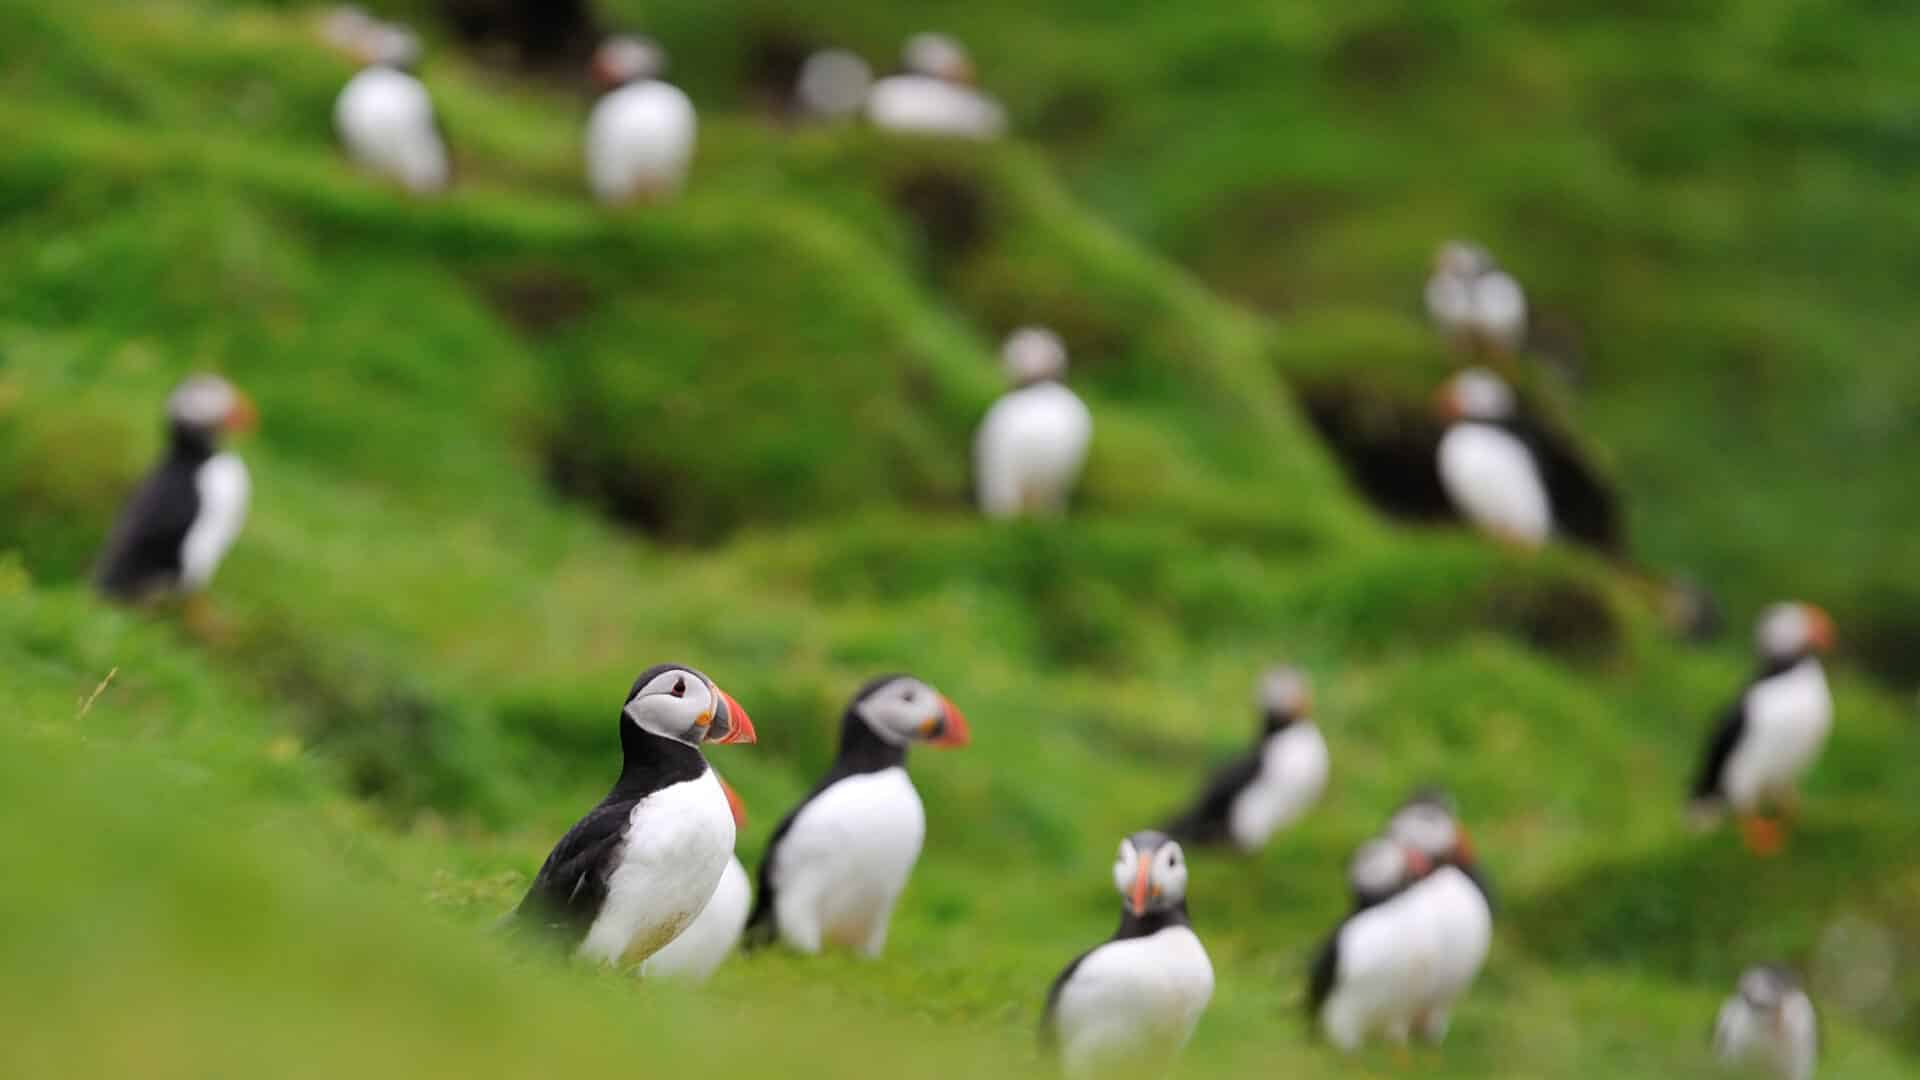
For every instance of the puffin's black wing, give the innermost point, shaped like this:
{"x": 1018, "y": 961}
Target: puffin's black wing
{"x": 572, "y": 883}
{"x": 760, "y": 923}
{"x": 1206, "y": 821}
{"x": 1585, "y": 507}
{"x": 1049, "y": 1034}
{"x": 1726, "y": 736}
{"x": 1321, "y": 976}
{"x": 143, "y": 550}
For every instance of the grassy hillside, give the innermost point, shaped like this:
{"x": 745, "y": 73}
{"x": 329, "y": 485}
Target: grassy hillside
{"x": 514, "y": 450}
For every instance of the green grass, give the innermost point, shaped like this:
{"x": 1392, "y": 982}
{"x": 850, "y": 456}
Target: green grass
{"x": 282, "y": 850}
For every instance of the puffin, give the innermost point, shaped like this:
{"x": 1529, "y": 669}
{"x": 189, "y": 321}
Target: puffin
{"x": 1475, "y": 303}
{"x": 643, "y": 864}
{"x": 936, "y": 94}
{"x": 1271, "y": 785}
{"x": 384, "y": 116}
{"x": 1032, "y": 443}
{"x": 837, "y": 862}
{"x": 1135, "y": 999}
{"x": 832, "y": 85}
{"x": 341, "y": 25}
{"x": 640, "y": 134}
{"x": 1768, "y": 1023}
{"x": 1515, "y": 478}
{"x": 179, "y": 523}
{"x": 1364, "y": 979}
{"x": 710, "y": 938}
{"x": 1453, "y": 902}
{"x": 1768, "y": 738}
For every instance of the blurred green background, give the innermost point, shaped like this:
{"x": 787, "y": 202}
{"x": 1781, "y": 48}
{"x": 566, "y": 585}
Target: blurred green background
{"x": 515, "y": 449}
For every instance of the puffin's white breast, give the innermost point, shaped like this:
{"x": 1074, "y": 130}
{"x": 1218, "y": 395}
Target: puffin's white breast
{"x": 1492, "y": 478}
{"x": 1384, "y": 954}
{"x": 1030, "y": 449}
{"x": 224, "y": 489}
{"x": 710, "y": 938}
{"x": 1293, "y": 773}
{"x": 385, "y": 119}
{"x": 849, "y": 852}
{"x": 1742, "y": 1037}
{"x": 1140, "y": 994}
{"x": 640, "y": 136}
{"x": 1788, "y": 718}
{"x": 928, "y": 106}
{"x": 679, "y": 840}
{"x": 1462, "y": 927}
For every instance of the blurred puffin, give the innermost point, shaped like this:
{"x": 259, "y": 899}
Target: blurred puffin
{"x": 1514, "y": 478}
{"x": 837, "y": 862}
{"x": 1135, "y": 999}
{"x": 638, "y": 869}
{"x": 1364, "y": 981}
{"x": 936, "y": 95}
{"x": 341, "y": 25}
{"x": 179, "y": 523}
{"x": 641, "y": 132}
{"x": 1033, "y": 441}
{"x": 1769, "y": 1022}
{"x": 832, "y": 84}
{"x": 1476, "y": 304}
{"x": 384, "y": 116}
{"x": 1774, "y": 731}
{"x": 710, "y": 938}
{"x": 1271, "y": 785}
{"x": 1453, "y": 901}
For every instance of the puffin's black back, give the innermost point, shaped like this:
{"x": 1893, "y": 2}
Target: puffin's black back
{"x": 1585, "y": 508}
{"x": 1728, "y": 730}
{"x": 142, "y": 553}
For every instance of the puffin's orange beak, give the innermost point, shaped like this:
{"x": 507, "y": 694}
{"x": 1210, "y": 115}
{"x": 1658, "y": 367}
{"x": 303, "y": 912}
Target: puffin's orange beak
{"x": 737, "y": 729}
{"x": 734, "y": 804}
{"x": 1819, "y": 628}
{"x": 1137, "y": 897}
{"x": 1463, "y": 846}
{"x": 953, "y": 728}
{"x": 1417, "y": 861}
{"x": 243, "y": 416}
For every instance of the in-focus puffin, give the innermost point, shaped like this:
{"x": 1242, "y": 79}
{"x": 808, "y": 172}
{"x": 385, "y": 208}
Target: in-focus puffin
{"x": 936, "y": 95}
{"x": 1475, "y": 303}
{"x": 180, "y": 522}
{"x": 1773, "y": 732}
{"x": 1271, "y": 785}
{"x": 710, "y": 938}
{"x": 837, "y": 862}
{"x": 634, "y": 873}
{"x": 1768, "y": 1023}
{"x": 384, "y": 115}
{"x": 1365, "y": 977}
{"x": 641, "y": 132}
{"x": 1033, "y": 442}
{"x": 1136, "y": 999}
{"x": 1453, "y": 901}
{"x": 1515, "y": 478}
{"x": 832, "y": 84}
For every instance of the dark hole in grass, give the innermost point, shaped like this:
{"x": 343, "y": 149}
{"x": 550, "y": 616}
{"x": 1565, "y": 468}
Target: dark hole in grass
{"x": 1384, "y": 444}
{"x": 538, "y": 301}
{"x": 1568, "y": 619}
{"x": 773, "y": 67}
{"x": 950, "y": 210}
{"x": 532, "y": 34}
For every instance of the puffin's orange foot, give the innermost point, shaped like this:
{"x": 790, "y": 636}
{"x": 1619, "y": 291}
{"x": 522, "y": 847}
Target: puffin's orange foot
{"x": 1765, "y": 837}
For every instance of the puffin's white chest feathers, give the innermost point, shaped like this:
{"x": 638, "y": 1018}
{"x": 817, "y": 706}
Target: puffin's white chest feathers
{"x": 385, "y": 119}
{"x": 1459, "y": 933}
{"x": 1293, "y": 773}
{"x": 224, "y": 489}
{"x": 1493, "y": 479}
{"x": 1742, "y": 1036}
{"x": 1030, "y": 450}
{"x": 925, "y": 105}
{"x": 845, "y": 859}
{"x": 640, "y": 140}
{"x": 1382, "y": 955}
{"x": 678, "y": 842}
{"x": 1788, "y": 718}
{"x": 1140, "y": 995}
{"x": 710, "y": 938}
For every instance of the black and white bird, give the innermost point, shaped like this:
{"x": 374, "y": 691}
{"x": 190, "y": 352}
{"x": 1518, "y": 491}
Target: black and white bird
{"x": 637, "y": 870}
{"x": 384, "y": 116}
{"x": 1453, "y": 901}
{"x": 1768, "y": 1024}
{"x": 1365, "y": 982}
{"x": 936, "y": 94}
{"x": 1033, "y": 442}
{"x": 640, "y": 135}
{"x": 707, "y": 941}
{"x": 1773, "y": 732}
{"x": 1135, "y": 1000}
{"x": 838, "y": 861}
{"x": 1514, "y": 477}
{"x": 832, "y": 85}
{"x": 1479, "y": 306}
{"x": 188, "y": 511}
{"x": 1272, "y": 784}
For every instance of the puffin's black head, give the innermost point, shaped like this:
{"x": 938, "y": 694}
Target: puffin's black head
{"x": 679, "y": 703}
{"x": 1789, "y": 633}
{"x": 1475, "y": 394}
{"x": 1151, "y": 872}
{"x": 1284, "y": 696}
{"x": 901, "y": 710}
{"x": 626, "y": 58}
{"x": 1382, "y": 867}
{"x": 205, "y": 407}
{"x": 1427, "y": 823}
{"x": 1766, "y": 987}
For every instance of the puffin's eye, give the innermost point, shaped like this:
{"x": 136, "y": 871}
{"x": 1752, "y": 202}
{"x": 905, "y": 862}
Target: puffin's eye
{"x": 906, "y": 695}
{"x": 680, "y": 686}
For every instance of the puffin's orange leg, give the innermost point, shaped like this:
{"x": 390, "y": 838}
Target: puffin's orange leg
{"x": 1764, "y": 836}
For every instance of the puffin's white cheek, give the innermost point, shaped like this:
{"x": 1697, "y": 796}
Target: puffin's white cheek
{"x": 1123, "y": 877}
